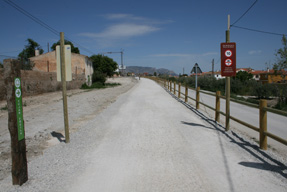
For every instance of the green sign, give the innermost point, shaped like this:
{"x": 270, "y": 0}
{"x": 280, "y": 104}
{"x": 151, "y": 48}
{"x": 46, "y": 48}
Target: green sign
{"x": 19, "y": 109}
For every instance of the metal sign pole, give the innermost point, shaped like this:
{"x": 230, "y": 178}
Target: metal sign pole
{"x": 195, "y": 76}
{"x": 227, "y": 84}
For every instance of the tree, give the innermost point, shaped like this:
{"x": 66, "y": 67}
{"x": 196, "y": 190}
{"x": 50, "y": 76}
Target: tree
{"x": 104, "y": 64}
{"x": 28, "y": 52}
{"x": 282, "y": 54}
{"x": 73, "y": 48}
{"x": 1, "y": 65}
{"x": 243, "y": 76}
{"x": 282, "y": 58}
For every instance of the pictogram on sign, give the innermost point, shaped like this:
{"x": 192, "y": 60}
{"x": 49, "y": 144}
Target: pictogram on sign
{"x": 228, "y": 53}
{"x": 228, "y": 62}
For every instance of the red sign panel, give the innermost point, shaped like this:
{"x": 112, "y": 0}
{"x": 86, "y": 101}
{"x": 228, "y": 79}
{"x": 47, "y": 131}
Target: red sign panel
{"x": 228, "y": 59}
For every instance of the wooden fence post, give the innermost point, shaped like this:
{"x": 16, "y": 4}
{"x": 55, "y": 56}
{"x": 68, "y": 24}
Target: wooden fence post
{"x": 179, "y": 85}
{"x": 197, "y": 97}
{"x": 170, "y": 86}
{"x": 263, "y": 124}
{"x": 217, "y": 106}
{"x": 16, "y": 128}
{"x": 174, "y": 87}
{"x": 186, "y": 93}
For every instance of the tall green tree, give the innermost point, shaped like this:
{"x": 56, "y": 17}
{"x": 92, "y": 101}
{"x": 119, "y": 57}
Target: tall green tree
{"x": 29, "y": 51}
{"x": 104, "y": 64}
{"x": 243, "y": 76}
{"x": 73, "y": 48}
{"x": 282, "y": 55}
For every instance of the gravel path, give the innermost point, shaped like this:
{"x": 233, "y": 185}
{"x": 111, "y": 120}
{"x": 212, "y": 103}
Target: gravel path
{"x": 149, "y": 141}
{"x": 43, "y": 114}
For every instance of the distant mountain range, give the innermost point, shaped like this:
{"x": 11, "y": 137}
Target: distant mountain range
{"x": 149, "y": 70}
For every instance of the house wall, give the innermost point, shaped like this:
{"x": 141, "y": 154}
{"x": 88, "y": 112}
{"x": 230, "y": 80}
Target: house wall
{"x": 38, "y": 82}
{"x": 81, "y": 64}
{"x": 45, "y": 62}
{"x": 275, "y": 78}
{"x": 2, "y": 85}
{"x": 271, "y": 78}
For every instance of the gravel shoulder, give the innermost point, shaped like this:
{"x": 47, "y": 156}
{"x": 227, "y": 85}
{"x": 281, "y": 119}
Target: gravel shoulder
{"x": 149, "y": 141}
{"x": 43, "y": 114}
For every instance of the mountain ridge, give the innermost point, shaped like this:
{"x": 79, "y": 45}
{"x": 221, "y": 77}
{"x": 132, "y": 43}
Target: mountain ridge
{"x": 149, "y": 70}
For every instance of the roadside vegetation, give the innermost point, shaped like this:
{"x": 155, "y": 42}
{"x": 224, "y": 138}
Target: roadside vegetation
{"x": 244, "y": 85}
{"x": 98, "y": 85}
{"x": 251, "y": 89}
{"x": 103, "y": 67}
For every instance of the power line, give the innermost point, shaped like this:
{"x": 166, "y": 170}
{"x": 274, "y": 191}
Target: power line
{"x": 244, "y": 13}
{"x": 32, "y": 17}
{"x": 255, "y": 30}
{"x": 43, "y": 24}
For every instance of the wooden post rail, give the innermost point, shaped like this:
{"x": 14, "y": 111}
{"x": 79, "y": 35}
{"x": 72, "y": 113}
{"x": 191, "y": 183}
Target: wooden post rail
{"x": 179, "y": 90}
{"x": 174, "y": 87}
{"x": 263, "y": 124}
{"x": 263, "y": 109}
{"x": 217, "y": 106}
{"x": 186, "y": 93}
{"x": 197, "y": 97}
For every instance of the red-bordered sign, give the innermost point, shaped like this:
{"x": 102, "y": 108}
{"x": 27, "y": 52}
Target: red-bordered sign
{"x": 228, "y": 59}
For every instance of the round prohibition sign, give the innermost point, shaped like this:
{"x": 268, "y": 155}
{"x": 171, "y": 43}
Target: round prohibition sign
{"x": 228, "y": 53}
{"x": 228, "y": 62}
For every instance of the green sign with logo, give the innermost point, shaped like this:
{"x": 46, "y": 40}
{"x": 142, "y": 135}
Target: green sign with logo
{"x": 19, "y": 109}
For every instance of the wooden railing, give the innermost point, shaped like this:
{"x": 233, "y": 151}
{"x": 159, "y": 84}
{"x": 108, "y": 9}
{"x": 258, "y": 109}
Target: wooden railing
{"x": 263, "y": 109}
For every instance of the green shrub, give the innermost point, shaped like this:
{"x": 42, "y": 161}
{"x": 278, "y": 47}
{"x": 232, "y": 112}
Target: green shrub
{"x": 99, "y": 77}
{"x": 85, "y": 86}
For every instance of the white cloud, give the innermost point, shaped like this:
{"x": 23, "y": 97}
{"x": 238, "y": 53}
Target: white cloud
{"x": 172, "y": 55}
{"x": 254, "y": 52}
{"x": 184, "y": 55}
{"x": 123, "y": 30}
{"x": 132, "y": 18}
{"x": 209, "y": 53}
{"x": 123, "y": 17}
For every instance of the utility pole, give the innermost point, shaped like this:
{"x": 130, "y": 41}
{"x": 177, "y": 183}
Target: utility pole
{"x": 122, "y": 57}
{"x": 212, "y": 67}
{"x": 227, "y": 82}
{"x": 183, "y": 71}
{"x": 122, "y": 63}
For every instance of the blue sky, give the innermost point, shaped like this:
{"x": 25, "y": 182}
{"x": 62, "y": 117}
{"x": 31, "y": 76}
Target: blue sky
{"x": 154, "y": 33}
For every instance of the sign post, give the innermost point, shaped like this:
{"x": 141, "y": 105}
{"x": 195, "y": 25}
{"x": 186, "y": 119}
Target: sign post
{"x": 228, "y": 69}
{"x": 196, "y": 70}
{"x": 64, "y": 75}
{"x": 228, "y": 59}
{"x": 12, "y": 76}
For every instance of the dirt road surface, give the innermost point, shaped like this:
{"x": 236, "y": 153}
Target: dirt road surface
{"x": 149, "y": 141}
{"x": 43, "y": 114}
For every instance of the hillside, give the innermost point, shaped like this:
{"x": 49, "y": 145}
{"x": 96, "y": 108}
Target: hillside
{"x": 150, "y": 70}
